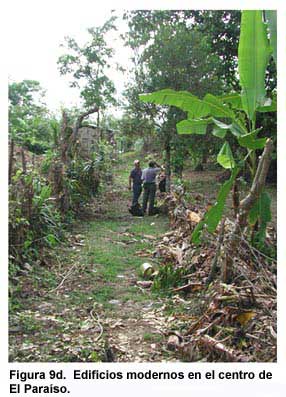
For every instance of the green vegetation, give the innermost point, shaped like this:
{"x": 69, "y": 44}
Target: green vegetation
{"x": 103, "y": 269}
{"x": 236, "y": 113}
{"x": 200, "y": 99}
{"x": 168, "y": 277}
{"x": 87, "y": 66}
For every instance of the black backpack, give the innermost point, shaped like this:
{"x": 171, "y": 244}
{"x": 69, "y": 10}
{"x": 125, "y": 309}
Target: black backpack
{"x": 136, "y": 210}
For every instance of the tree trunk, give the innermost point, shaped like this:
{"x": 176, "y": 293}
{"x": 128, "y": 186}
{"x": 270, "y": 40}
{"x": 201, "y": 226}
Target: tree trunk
{"x": 97, "y": 123}
{"x": 24, "y": 164}
{"x": 235, "y": 198}
{"x": 244, "y": 207}
{"x": 168, "y": 165}
{"x": 63, "y": 138}
{"x": 11, "y": 160}
{"x": 204, "y": 157}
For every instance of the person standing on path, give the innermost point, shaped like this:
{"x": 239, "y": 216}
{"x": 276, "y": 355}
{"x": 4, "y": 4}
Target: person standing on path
{"x": 136, "y": 178}
{"x": 149, "y": 186}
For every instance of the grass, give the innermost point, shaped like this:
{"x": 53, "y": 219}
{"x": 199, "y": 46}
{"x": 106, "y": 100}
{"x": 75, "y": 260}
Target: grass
{"x": 153, "y": 338}
{"x": 111, "y": 243}
{"x": 112, "y": 246}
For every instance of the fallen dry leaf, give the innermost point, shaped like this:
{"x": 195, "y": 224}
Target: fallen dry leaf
{"x": 244, "y": 318}
{"x": 193, "y": 217}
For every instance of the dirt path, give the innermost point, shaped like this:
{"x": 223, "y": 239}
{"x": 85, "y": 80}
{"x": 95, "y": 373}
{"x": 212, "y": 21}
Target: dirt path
{"x": 87, "y": 306}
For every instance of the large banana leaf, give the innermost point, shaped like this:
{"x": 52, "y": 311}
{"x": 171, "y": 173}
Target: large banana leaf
{"x": 261, "y": 211}
{"x": 237, "y": 128}
{"x": 220, "y": 128}
{"x": 181, "y": 99}
{"x": 234, "y": 99}
{"x": 253, "y": 56}
{"x": 197, "y": 108}
{"x": 218, "y": 108}
{"x": 192, "y": 126}
{"x": 225, "y": 157}
{"x": 214, "y": 214}
{"x": 251, "y": 141}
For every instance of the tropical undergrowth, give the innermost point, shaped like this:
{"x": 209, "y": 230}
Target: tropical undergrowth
{"x": 46, "y": 194}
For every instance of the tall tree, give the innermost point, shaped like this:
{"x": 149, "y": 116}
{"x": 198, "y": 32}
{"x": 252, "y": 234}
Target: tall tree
{"x": 29, "y": 120}
{"x": 219, "y": 27}
{"x": 240, "y": 112}
{"x": 87, "y": 66}
{"x": 28, "y": 114}
{"x": 169, "y": 53}
{"x": 222, "y": 29}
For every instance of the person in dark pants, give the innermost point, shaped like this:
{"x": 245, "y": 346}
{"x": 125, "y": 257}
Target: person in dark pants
{"x": 136, "y": 177}
{"x": 149, "y": 186}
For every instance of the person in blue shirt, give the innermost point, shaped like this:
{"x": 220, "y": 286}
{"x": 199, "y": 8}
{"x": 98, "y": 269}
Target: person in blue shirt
{"x": 149, "y": 186}
{"x": 135, "y": 178}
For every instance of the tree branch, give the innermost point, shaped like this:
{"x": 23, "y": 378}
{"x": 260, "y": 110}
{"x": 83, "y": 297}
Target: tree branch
{"x": 78, "y": 124}
{"x": 257, "y": 184}
{"x": 63, "y": 138}
{"x": 80, "y": 120}
{"x": 245, "y": 206}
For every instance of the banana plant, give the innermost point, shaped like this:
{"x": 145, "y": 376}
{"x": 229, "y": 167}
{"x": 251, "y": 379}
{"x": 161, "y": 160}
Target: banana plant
{"x": 234, "y": 112}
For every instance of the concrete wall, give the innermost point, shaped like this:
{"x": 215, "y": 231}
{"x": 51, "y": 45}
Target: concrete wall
{"x": 88, "y": 138}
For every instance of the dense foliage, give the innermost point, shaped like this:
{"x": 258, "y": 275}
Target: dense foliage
{"x": 50, "y": 178}
{"x": 236, "y": 113}
{"x": 177, "y": 49}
